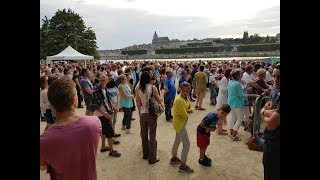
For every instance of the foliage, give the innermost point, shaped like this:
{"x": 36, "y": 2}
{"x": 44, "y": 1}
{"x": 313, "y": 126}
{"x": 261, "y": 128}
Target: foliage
{"x": 66, "y": 28}
{"x": 199, "y": 44}
{"x": 259, "y": 47}
{"x": 256, "y": 39}
{"x": 134, "y": 52}
{"x": 44, "y": 38}
{"x": 194, "y": 50}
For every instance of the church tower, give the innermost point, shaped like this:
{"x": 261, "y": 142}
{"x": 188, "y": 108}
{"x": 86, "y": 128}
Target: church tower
{"x": 155, "y": 35}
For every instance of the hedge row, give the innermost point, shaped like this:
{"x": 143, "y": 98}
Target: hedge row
{"x": 134, "y": 52}
{"x": 199, "y": 44}
{"x": 201, "y": 49}
{"x": 194, "y": 50}
{"x": 258, "y": 47}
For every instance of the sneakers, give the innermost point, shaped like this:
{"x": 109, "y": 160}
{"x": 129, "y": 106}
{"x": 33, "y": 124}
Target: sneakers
{"x": 175, "y": 160}
{"x": 209, "y": 159}
{"x": 123, "y": 127}
{"x": 114, "y": 153}
{"x": 205, "y": 162}
{"x": 153, "y": 162}
{"x": 128, "y": 131}
{"x": 185, "y": 169}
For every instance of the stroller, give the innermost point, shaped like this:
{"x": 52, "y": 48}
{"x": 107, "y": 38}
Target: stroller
{"x": 256, "y": 141}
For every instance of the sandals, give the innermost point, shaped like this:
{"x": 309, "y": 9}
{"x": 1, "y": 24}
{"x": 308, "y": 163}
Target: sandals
{"x": 222, "y": 133}
{"x": 104, "y": 149}
{"x": 114, "y": 141}
{"x": 235, "y": 138}
{"x": 201, "y": 109}
{"x": 117, "y": 135}
{"x": 197, "y": 107}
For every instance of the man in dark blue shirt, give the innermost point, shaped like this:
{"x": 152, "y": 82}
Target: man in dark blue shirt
{"x": 208, "y": 124}
{"x": 170, "y": 93}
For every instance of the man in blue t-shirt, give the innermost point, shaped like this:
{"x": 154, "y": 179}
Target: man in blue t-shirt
{"x": 208, "y": 124}
{"x": 170, "y": 93}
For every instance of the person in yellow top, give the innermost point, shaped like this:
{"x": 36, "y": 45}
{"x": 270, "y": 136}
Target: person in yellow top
{"x": 181, "y": 110}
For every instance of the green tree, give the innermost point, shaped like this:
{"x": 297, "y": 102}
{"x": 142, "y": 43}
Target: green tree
{"x": 67, "y": 28}
{"x": 245, "y": 37}
{"x": 267, "y": 39}
{"x": 44, "y": 38}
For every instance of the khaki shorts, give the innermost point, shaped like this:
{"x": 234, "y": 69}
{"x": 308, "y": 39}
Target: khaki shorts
{"x": 201, "y": 94}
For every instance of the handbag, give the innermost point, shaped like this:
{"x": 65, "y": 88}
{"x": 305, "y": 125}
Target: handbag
{"x": 155, "y": 108}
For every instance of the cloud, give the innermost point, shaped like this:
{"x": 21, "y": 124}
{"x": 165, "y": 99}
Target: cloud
{"x": 188, "y": 20}
{"x": 118, "y": 27}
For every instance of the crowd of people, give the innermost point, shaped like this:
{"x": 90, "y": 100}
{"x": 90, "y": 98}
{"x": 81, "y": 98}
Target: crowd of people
{"x": 112, "y": 87}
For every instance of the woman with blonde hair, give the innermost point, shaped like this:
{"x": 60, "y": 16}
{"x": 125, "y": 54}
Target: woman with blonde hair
{"x": 236, "y": 98}
{"x": 125, "y": 103}
{"x": 261, "y": 85}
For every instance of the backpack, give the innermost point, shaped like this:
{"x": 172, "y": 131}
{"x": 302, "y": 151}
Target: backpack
{"x": 154, "y": 107}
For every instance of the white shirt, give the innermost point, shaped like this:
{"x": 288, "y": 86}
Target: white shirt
{"x": 113, "y": 92}
{"x": 174, "y": 75}
{"x": 247, "y": 78}
{"x": 114, "y": 75}
{"x": 223, "y": 84}
{"x": 269, "y": 77}
{"x": 145, "y": 98}
{"x": 44, "y": 102}
{"x": 212, "y": 78}
{"x": 180, "y": 69}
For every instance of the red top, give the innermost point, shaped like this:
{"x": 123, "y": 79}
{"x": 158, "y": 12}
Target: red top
{"x": 69, "y": 151}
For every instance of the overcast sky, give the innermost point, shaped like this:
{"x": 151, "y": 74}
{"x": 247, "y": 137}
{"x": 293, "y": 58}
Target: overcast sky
{"x": 122, "y": 23}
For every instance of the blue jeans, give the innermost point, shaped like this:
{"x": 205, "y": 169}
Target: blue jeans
{"x": 168, "y": 103}
{"x": 213, "y": 93}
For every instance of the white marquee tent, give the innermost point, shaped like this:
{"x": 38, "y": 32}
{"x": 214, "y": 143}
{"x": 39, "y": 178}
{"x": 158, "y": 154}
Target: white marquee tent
{"x": 69, "y": 54}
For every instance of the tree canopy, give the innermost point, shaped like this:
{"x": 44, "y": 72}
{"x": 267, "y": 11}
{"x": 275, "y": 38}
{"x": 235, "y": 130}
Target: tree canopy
{"x": 66, "y": 28}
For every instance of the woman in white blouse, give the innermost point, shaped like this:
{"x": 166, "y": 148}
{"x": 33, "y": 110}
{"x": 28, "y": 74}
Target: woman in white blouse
{"x": 223, "y": 89}
{"x": 222, "y": 98}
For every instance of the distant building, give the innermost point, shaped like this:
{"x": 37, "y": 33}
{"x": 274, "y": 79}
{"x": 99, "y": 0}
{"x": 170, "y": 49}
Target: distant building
{"x": 159, "y": 41}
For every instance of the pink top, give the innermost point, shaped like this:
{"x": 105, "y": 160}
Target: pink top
{"x": 70, "y": 150}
